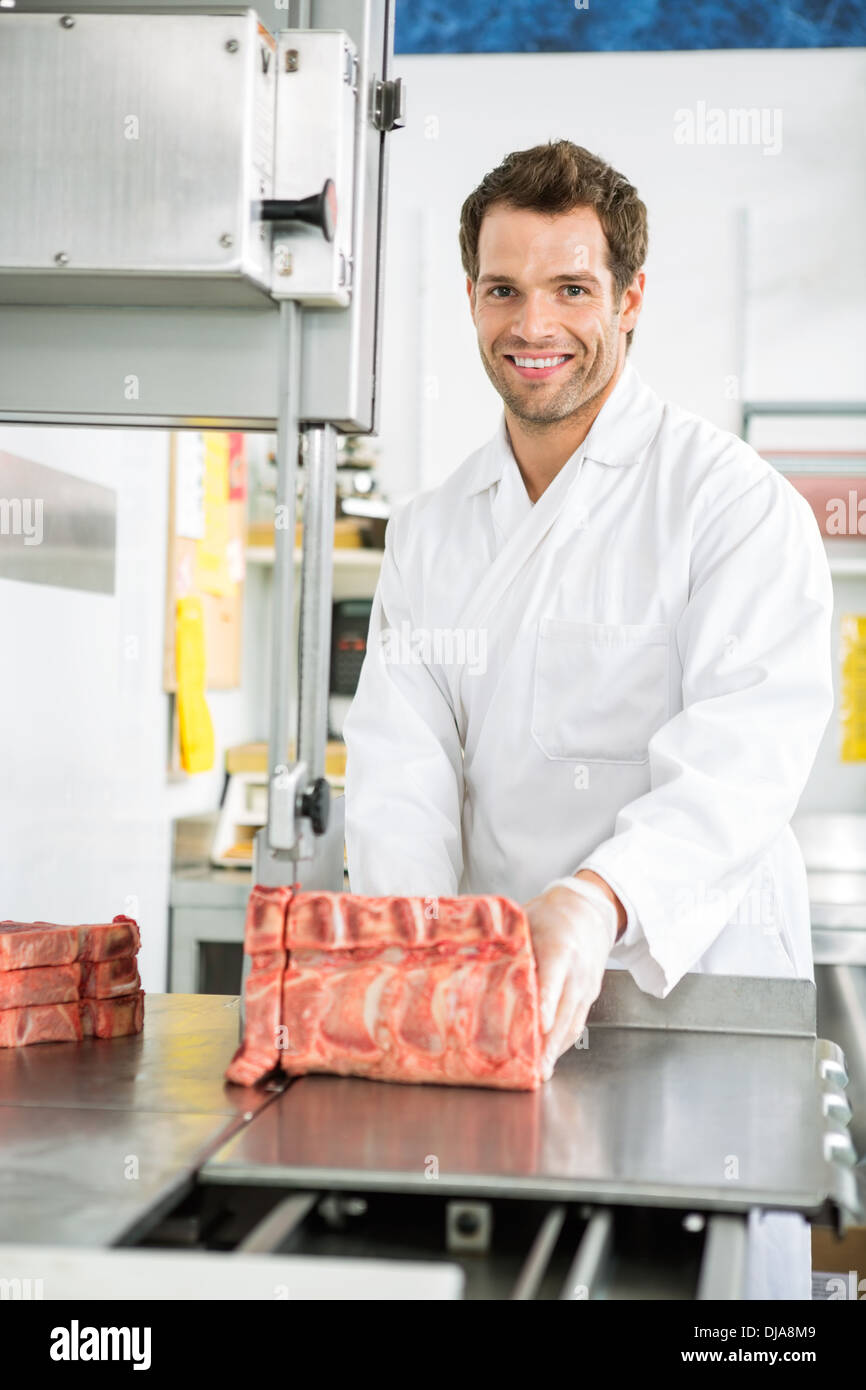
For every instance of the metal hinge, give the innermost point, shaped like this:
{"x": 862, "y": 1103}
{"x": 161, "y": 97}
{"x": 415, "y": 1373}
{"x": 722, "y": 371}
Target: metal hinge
{"x": 388, "y": 104}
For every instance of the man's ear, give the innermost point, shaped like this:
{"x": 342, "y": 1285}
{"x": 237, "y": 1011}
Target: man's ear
{"x": 470, "y": 290}
{"x": 631, "y": 303}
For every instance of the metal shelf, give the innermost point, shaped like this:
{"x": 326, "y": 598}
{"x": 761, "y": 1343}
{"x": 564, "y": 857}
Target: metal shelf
{"x": 752, "y": 408}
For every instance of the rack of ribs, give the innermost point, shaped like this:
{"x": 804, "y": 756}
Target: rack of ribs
{"x": 394, "y": 989}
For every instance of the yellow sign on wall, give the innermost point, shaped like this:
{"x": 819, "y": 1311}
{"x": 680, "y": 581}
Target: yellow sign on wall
{"x": 194, "y": 720}
{"x": 852, "y": 701}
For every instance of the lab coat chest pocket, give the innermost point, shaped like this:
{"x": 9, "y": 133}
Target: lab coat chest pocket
{"x": 600, "y": 689}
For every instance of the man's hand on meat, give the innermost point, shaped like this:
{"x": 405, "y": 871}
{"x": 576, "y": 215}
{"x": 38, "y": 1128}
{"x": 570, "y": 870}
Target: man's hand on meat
{"x": 572, "y": 936}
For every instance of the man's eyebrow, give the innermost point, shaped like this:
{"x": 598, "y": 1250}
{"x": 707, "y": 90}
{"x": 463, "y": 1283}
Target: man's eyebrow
{"x": 582, "y": 275}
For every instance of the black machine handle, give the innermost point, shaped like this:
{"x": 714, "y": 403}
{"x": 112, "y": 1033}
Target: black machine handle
{"x": 316, "y": 803}
{"x": 319, "y": 210}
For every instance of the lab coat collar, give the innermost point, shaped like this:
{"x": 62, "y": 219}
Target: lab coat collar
{"x": 619, "y": 436}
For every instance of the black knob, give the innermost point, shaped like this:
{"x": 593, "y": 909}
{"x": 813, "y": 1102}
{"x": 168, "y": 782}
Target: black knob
{"x": 319, "y": 210}
{"x": 316, "y": 803}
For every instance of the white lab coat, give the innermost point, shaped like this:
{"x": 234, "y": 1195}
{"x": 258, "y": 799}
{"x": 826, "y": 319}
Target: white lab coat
{"x": 645, "y": 680}
{"x": 631, "y": 675}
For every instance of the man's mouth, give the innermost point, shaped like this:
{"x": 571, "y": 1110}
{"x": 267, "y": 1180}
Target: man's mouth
{"x": 535, "y": 368}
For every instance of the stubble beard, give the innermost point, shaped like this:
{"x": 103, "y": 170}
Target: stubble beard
{"x": 586, "y": 379}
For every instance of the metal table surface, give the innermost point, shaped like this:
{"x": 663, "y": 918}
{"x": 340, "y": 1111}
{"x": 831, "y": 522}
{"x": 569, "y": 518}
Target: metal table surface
{"x": 718, "y": 1096}
{"x": 140, "y": 1275}
{"x": 98, "y": 1138}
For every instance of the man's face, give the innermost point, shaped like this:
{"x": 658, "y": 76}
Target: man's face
{"x": 544, "y": 294}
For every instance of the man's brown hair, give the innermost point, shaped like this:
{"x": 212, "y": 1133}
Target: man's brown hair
{"x": 556, "y": 178}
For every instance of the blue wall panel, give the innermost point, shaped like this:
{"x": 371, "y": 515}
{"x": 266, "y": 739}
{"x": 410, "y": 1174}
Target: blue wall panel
{"x": 557, "y": 26}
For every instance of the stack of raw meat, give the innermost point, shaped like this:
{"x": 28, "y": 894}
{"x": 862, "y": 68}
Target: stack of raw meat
{"x": 395, "y": 989}
{"x": 60, "y": 984}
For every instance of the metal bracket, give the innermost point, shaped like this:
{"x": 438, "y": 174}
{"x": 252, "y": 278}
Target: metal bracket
{"x": 388, "y": 104}
{"x": 287, "y": 786}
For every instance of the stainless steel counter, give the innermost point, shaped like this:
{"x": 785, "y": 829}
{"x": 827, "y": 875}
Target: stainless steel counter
{"x": 98, "y": 1138}
{"x": 690, "y": 1111}
{"x": 719, "y": 1096}
{"x": 141, "y": 1275}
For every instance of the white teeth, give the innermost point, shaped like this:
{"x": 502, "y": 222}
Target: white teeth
{"x": 539, "y": 361}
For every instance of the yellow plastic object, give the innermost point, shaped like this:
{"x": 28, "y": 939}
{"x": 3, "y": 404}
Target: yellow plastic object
{"x": 852, "y": 697}
{"x": 196, "y": 727}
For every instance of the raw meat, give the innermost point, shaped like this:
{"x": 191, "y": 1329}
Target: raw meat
{"x": 113, "y": 1018}
{"x": 264, "y": 943}
{"x": 382, "y": 988}
{"x": 376, "y": 987}
{"x": 38, "y": 1023}
{"x": 108, "y": 979}
{"x": 44, "y": 984}
{"x": 265, "y": 926}
{"x": 100, "y": 1018}
{"x": 60, "y": 984}
{"x": 25, "y": 945}
{"x": 259, "y": 1051}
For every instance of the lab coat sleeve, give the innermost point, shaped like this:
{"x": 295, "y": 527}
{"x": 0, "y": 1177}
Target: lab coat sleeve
{"x": 727, "y": 770}
{"x": 404, "y": 765}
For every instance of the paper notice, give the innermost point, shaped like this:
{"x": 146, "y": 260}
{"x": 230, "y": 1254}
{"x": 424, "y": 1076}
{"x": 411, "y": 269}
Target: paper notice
{"x": 236, "y": 563}
{"x": 189, "y": 485}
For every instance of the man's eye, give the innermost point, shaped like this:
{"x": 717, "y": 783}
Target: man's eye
{"x": 501, "y": 291}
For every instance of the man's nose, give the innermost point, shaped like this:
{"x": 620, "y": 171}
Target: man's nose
{"x": 534, "y": 317}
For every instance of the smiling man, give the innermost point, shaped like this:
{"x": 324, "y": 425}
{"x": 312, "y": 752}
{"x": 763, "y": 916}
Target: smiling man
{"x": 578, "y": 320}
{"x": 654, "y": 603}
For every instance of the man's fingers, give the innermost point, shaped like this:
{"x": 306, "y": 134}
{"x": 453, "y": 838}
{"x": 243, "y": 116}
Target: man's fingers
{"x": 552, "y": 972}
{"x": 559, "y": 1037}
{"x": 578, "y": 1023}
{"x": 561, "y": 1040}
